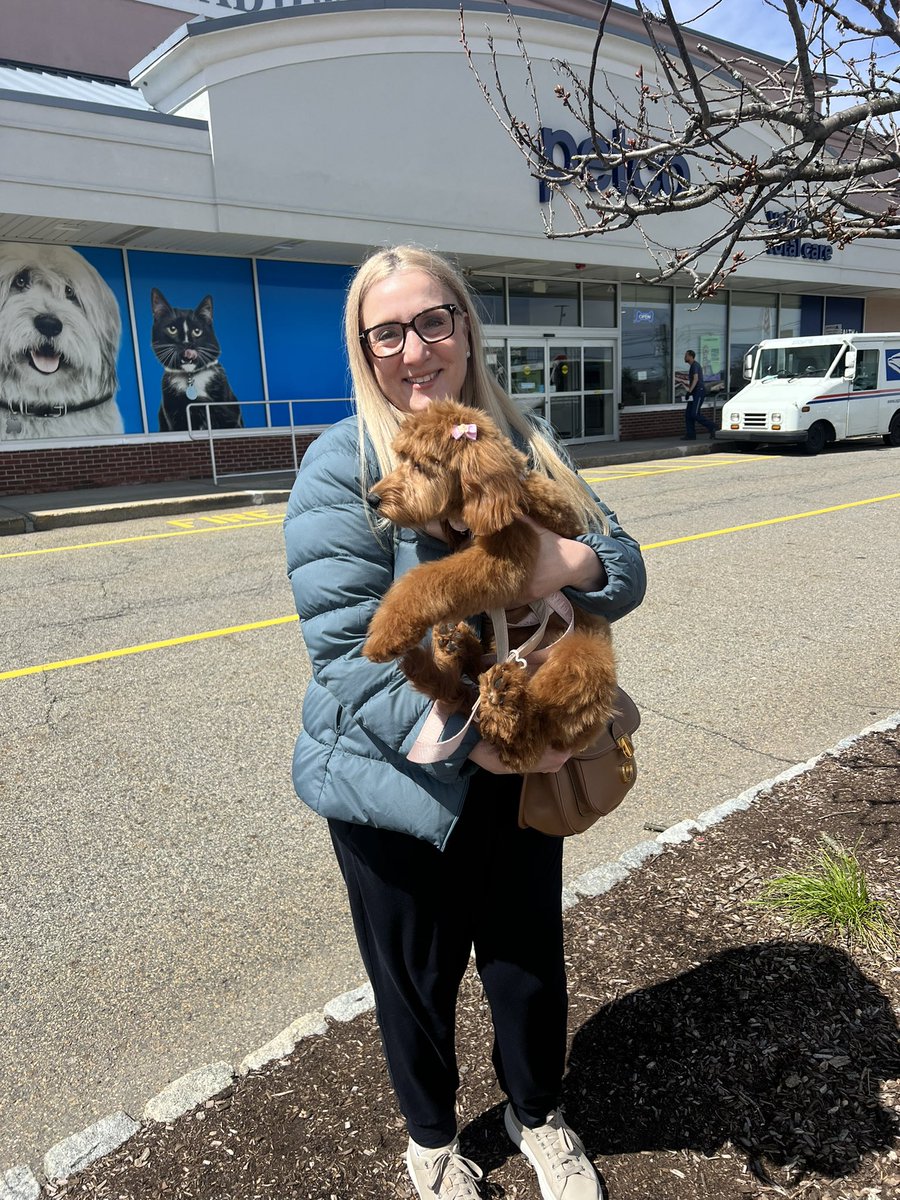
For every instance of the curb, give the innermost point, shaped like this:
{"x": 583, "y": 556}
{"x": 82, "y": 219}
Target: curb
{"x": 204, "y": 1084}
{"x": 680, "y": 451}
{"x": 15, "y": 521}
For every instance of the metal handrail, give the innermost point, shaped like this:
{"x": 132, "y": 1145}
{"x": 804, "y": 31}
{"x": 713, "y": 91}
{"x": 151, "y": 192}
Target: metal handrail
{"x": 210, "y": 434}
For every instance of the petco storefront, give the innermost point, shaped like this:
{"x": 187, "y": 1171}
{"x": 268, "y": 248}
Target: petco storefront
{"x": 175, "y": 253}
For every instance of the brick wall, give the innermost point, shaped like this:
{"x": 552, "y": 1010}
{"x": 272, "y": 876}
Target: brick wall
{"x": 64, "y": 468}
{"x": 652, "y": 424}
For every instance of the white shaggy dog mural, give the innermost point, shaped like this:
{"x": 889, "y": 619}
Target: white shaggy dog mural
{"x": 59, "y": 337}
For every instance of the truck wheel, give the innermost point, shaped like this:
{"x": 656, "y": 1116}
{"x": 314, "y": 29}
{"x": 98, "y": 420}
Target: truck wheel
{"x": 816, "y": 440}
{"x": 892, "y": 437}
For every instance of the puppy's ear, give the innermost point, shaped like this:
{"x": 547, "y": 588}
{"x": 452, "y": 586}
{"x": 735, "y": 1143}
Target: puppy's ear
{"x": 158, "y": 303}
{"x": 491, "y": 485}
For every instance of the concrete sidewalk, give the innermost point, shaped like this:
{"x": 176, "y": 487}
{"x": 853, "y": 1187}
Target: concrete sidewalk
{"x": 92, "y": 506}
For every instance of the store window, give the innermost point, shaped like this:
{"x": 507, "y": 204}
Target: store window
{"x": 754, "y": 316}
{"x": 703, "y": 328}
{"x": 547, "y": 302}
{"x": 843, "y": 314}
{"x": 790, "y": 316}
{"x": 599, "y": 305}
{"x": 490, "y": 298}
{"x": 646, "y": 345}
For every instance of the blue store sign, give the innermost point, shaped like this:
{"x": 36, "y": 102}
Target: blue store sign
{"x": 670, "y": 176}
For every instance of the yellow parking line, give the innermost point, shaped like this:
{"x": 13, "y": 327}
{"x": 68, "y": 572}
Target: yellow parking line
{"x": 214, "y": 633}
{"x": 144, "y": 537}
{"x": 179, "y": 641}
{"x": 815, "y": 512}
{"x": 623, "y": 473}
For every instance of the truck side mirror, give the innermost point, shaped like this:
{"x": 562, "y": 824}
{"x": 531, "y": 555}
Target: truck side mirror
{"x": 748, "y": 365}
{"x": 850, "y": 363}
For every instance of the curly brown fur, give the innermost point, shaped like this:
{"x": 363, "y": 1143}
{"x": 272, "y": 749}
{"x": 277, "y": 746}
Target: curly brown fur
{"x": 486, "y": 485}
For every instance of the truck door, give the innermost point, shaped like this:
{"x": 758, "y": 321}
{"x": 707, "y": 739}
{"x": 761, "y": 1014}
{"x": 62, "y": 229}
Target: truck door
{"x": 863, "y": 398}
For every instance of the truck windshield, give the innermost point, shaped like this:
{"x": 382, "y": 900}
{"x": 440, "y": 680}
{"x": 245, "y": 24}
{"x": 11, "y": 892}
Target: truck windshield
{"x": 797, "y": 362}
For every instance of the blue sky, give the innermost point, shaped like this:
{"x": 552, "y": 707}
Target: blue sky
{"x": 744, "y": 22}
{"x": 750, "y": 23}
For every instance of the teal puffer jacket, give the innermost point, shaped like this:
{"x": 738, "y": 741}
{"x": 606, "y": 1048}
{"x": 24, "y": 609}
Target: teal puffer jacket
{"x": 359, "y": 718}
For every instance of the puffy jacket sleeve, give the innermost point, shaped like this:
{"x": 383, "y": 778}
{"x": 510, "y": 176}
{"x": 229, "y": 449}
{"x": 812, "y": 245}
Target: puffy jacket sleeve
{"x": 339, "y": 569}
{"x": 626, "y": 577}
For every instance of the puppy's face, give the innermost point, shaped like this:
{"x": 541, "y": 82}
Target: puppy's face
{"x": 453, "y": 465}
{"x": 59, "y": 325}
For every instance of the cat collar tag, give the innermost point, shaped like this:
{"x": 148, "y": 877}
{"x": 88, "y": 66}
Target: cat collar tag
{"x": 191, "y": 391}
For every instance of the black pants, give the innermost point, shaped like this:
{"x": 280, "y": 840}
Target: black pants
{"x": 418, "y": 911}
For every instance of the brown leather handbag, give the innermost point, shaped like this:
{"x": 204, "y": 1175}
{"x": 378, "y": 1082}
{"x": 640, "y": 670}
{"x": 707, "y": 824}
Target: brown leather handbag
{"x": 588, "y": 785}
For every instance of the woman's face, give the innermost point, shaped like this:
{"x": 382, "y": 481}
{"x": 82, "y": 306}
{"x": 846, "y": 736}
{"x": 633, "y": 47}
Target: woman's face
{"x": 422, "y": 371}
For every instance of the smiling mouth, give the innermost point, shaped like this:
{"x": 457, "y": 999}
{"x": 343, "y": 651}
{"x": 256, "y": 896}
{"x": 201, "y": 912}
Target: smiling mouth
{"x": 44, "y": 359}
{"x": 421, "y": 380}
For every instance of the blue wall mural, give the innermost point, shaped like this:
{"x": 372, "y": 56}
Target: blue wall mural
{"x": 197, "y": 339}
{"x": 80, "y": 367}
{"x": 302, "y": 307}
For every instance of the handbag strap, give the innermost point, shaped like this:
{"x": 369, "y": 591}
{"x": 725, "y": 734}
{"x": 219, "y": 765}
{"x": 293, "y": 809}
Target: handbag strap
{"x": 429, "y": 746}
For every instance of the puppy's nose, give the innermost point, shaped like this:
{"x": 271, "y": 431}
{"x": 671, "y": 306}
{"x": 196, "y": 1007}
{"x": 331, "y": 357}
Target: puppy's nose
{"x": 48, "y": 325}
{"x": 373, "y": 499}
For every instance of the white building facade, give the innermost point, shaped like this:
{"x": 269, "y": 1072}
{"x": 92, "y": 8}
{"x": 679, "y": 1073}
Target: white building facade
{"x": 261, "y": 152}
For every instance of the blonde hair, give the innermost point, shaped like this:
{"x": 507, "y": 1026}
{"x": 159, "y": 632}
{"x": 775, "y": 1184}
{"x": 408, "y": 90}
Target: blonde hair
{"x": 377, "y": 418}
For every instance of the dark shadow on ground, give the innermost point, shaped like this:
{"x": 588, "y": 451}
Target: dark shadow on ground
{"x": 777, "y": 1047}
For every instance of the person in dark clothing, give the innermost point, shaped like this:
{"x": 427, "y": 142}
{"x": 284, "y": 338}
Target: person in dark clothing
{"x": 695, "y": 395}
{"x": 431, "y": 852}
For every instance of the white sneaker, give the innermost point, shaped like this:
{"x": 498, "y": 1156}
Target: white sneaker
{"x": 557, "y": 1154}
{"x": 443, "y": 1174}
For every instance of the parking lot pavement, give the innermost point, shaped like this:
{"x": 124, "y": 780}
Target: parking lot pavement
{"x": 167, "y": 901}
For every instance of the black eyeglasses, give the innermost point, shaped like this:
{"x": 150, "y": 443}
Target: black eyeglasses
{"x": 432, "y": 325}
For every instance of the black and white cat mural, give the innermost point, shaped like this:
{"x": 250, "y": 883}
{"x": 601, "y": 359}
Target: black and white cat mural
{"x": 185, "y": 342}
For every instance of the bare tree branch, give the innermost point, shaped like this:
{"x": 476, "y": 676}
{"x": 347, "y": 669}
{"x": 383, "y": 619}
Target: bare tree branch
{"x": 768, "y": 152}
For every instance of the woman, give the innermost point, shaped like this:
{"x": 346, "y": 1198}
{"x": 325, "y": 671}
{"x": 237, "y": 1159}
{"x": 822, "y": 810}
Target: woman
{"x": 432, "y": 855}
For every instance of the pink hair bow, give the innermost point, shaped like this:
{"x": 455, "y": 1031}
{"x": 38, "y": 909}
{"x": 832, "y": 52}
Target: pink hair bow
{"x": 469, "y": 431}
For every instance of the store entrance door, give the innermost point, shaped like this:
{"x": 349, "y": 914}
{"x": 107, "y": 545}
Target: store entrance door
{"x": 569, "y": 383}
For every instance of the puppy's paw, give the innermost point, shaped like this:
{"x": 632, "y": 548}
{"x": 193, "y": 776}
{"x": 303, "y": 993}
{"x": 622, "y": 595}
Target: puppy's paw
{"x": 504, "y": 703}
{"x": 389, "y": 637}
{"x": 455, "y": 646}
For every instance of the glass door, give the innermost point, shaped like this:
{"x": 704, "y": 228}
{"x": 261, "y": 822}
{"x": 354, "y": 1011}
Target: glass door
{"x": 599, "y": 390}
{"x": 528, "y": 374}
{"x": 565, "y": 377}
{"x": 570, "y": 384}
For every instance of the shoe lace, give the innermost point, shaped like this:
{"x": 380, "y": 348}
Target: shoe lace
{"x": 565, "y": 1156}
{"x": 451, "y": 1176}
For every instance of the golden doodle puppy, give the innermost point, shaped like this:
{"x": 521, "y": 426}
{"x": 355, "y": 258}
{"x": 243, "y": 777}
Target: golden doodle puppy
{"x": 455, "y": 467}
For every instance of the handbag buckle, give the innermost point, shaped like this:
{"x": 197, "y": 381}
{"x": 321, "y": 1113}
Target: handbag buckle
{"x": 627, "y": 772}
{"x": 626, "y": 745}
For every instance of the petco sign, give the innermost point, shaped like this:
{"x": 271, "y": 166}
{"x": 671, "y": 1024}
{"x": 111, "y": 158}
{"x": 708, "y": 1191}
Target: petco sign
{"x": 560, "y": 147}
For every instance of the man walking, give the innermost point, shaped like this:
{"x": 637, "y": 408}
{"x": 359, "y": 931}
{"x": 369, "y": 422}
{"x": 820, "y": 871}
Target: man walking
{"x": 696, "y": 394}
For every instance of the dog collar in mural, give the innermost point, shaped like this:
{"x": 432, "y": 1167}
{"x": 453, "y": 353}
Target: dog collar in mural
{"x": 51, "y": 410}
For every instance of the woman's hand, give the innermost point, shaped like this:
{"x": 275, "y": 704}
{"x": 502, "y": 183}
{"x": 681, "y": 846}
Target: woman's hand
{"x": 484, "y": 754}
{"x": 562, "y": 562}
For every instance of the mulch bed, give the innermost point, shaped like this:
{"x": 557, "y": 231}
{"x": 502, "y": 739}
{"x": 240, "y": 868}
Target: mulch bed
{"x": 716, "y": 1053}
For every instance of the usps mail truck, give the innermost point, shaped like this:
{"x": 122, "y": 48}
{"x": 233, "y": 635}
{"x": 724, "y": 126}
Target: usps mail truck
{"x": 811, "y": 391}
